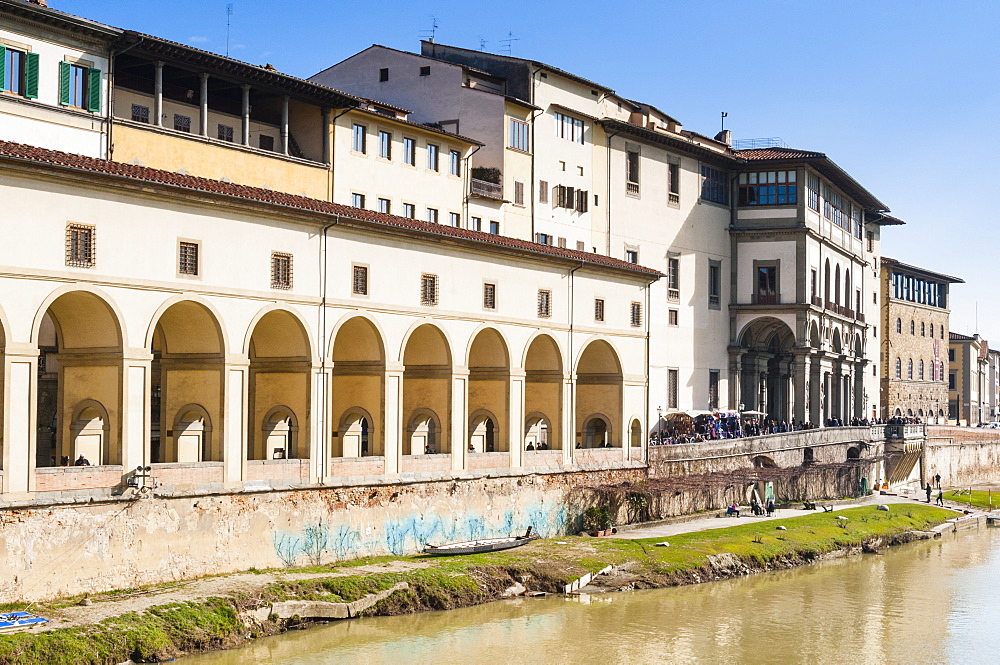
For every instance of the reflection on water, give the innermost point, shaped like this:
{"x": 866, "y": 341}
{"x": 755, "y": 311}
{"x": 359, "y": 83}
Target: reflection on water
{"x": 931, "y": 602}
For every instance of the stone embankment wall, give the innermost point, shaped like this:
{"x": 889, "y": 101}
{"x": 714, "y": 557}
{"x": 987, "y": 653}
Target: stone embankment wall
{"x": 94, "y": 547}
{"x": 962, "y": 455}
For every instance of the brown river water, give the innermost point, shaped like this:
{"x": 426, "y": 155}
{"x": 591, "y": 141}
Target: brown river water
{"x": 928, "y": 602}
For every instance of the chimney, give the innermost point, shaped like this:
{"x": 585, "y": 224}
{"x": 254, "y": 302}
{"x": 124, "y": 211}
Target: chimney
{"x": 40, "y": 3}
{"x": 725, "y": 136}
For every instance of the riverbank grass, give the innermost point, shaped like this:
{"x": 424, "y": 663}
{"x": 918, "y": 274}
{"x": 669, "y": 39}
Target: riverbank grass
{"x": 982, "y": 499}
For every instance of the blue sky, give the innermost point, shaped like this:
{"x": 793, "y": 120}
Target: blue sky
{"x": 901, "y": 94}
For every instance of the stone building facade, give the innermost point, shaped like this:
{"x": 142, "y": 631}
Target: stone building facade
{"x": 914, "y": 341}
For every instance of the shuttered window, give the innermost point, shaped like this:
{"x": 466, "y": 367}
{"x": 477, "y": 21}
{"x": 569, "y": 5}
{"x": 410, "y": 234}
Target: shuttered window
{"x": 80, "y": 86}
{"x": 518, "y": 193}
{"x": 543, "y": 191}
{"x": 19, "y": 72}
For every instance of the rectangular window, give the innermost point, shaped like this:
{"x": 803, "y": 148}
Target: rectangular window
{"x": 182, "y": 123}
{"x": 951, "y": 381}
{"x": 632, "y": 172}
{"x": 672, "y": 388}
{"x": 569, "y": 128}
{"x": 713, "y": 389}
{"x": 454, "y": 219}
{"x": 79, "y": 86}
{"x": 767, "y": 188}
{"x": 632, "y": 256}
{"x": 713, "y": 185}
{"x": 544, "y": 304}
{"x": 635, "y": 314}
{"x": 409, "y": 151}
{"x": 359, "y": 141}
{"x": 187, "y": 258}
{"x": 812, "y": 283}
{"x": 673, "y": 183}
{"x": 871, "y": 242}
{"x": 562, "y": 242}
{"x": 673, "y": 316}
{"x": 425, "y": 70}
{"x": 714, "y": 284}
{"x": 581, "y": 246}
{"x": 598, "y": 309}
{"x": 518, "y": 193}
{"x": 409, "y": 210}
{"x": 582, "y": 198}
{"x": 812, "y": 191}
{"x": 266, "y": 142}
{"x": 359, "y": 280}
{"x": 767, "y": 285}
{"x": 432, "y": 215}
{"x": 673, "y": 280}
{"x": 385, "y": 206}
{"x": 80, "y": 245}
{"x": 476, "y": 223}
{"x": 383, "y": 74}
{"x": 543, "y": 238}
{"x": 432, "y": 157}
{"x": 281, "y": 270}
{"x": 140, "y": 113}
{"x": 428, "y": 289}
{"x": 226, "y": 133}
{"x": 489, "y": 296}
{"x": 13, "y": 66}
{"x": 543, "y": 191}
{"x": 518, "y": 138}
{"x": 455, "y": 163}
{"x": 384, "y": 145}
{"x": 495, "y": 228}
{"x": 358, "y": 200}
{"x": 951, "y": 355}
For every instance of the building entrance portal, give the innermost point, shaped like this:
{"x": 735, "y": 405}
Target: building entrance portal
{"x": 767, "y": 369}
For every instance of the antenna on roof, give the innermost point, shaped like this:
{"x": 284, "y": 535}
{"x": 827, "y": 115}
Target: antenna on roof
{"x": 724, "y": 116}
{"x": 432, "y": 31}
{"x": 508, "y": 44}
{"x": 229, "y": 14}
{"x": 482, "y": 44}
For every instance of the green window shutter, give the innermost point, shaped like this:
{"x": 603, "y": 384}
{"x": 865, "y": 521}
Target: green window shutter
{"x": 31, "y": 75}
{"x": 3, "y": 67}
{"x": 64, "y": 83}
{"x": 94, "y": 91}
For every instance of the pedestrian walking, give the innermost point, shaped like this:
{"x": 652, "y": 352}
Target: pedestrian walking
{"x": 940, "y": 497}
{"x": 770, "y": 507}
{"x": 928, "y": 489}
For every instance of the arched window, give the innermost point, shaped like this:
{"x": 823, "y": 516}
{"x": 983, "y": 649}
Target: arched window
{"x": 942, "y": 332}
{"x": 826, "y": 281}
{"x": 920, "y": 370}
{"x": 923, "y": 329}
{"x": 899, "y": 368}
{"x": 932, "y": 330}
{"x": 909, "y": 368}
{"x": 899, "y": 326}
{"x": 913, "y": 327}
{"x": 847, "y": 288}
{"x": 836, "y": 285}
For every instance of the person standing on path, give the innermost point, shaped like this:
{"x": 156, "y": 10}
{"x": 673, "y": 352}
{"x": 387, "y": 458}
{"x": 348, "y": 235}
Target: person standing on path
{"x": 940, "y": 497}
{"x": 928, "y": 489}
{"x": 937, "y": 480}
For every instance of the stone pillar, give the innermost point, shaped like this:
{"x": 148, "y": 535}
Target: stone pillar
{"x": 393, "y": 428}
{"x": 284, "y": 125}
{"x": 860, "y": 401}
{"x": 459, "y": 418}
{"x": 236, "y": 373}
{"x": 569, "y": 437}
{"x": 735, "y": 378}
{"x": 802, "y": 377}
{"x": 135, "y": 413}
{"x": 20, "y": 382}
{"x": 816, "y": 389}
{"x": 158, "y": 94}
{"x": 320, "y": 427}
{"x": 203, "y": 101}
{"x": 246, "y": 115}
{"x": 515, "y": 419}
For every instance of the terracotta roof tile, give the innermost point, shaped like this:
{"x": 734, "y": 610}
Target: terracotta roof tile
{"x": 19, "y": 151}
{"x": 756, "y": 154}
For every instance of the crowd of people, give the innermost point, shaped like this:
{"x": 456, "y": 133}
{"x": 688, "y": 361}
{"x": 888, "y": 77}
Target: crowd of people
{"x": 680, "y": 428}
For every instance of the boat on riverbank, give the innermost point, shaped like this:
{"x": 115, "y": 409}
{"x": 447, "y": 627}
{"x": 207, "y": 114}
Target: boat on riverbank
{"x": 481, "y": 545}
{"x": 14, "y": 621}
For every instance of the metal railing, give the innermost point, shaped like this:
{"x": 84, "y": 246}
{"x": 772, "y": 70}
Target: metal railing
{"x": 490, "y": 190}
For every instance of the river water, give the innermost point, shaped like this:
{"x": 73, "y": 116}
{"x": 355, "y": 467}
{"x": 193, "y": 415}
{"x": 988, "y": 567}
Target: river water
{"x": 928, "y": 602}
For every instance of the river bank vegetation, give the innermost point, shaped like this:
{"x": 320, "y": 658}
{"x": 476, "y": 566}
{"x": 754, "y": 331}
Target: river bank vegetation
{"x": 154, "y": 631}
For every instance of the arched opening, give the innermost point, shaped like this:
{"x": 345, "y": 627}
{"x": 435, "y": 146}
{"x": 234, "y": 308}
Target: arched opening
{"x": 898, "y": 413}
{"x": 358, "y": 390}
{"x": 599, "y": 389}
{"x": 814, "y": 340}
{"x": 427, "y": 391}
{"x": 192, "y": 440}
{"x": 635, "y": 434}
{"x": 543, "y": 383}
{"x": 187, "y": 369}
{"x": 808, "y": 456}
{"x": 280, "y": 394}
{"x": 853, "y": 453}
{"x": 763, "y": 462}
{"x": 596, "y": 433}
{"x": 79, "y": 381}
{"x": 826, "y": 282}
{"x": 836, "y": 285}
{"x": 768, "y": 368}
{"x": 489, "y": 392}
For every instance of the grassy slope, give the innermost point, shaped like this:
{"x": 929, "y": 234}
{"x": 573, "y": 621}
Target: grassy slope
{"x": 166, "y": 631}
{"x": 980, "y": 498}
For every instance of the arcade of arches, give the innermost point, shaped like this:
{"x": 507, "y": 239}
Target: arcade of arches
{"x": 185, "y": 398}
{"x": 808, "y": 380}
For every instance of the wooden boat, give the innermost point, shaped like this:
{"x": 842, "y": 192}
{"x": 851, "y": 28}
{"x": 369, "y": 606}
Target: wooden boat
{"x": 481, "y": 545}
{"x": 14, "y": 621}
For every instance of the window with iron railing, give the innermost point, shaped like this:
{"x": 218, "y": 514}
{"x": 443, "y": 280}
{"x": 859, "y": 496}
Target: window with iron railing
{"x": 281, "y": 270}
{"x": 359, "y": 280}
{"x": 544, "y": 303}
{"x": 598, "y": 309}
{"x": 80, "y": 245}
{"x": 187, "y": 258}
{"x": 489, "y": 296}
{"x": 428, "y": 289}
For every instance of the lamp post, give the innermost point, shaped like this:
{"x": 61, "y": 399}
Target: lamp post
{"x": 659, "y": 425}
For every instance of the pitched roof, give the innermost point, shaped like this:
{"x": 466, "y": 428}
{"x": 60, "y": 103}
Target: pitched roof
{"x": 959, "y": 337}
{"x": 887, "y": 261}
{"x": 754, "y": 154}
{"x": 18, "y": 152}
{"x": 56, "y": 18}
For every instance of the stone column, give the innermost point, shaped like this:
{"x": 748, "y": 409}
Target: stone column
{"x": 236, "y": 373}
{"x": 735, "y": 378}
{"x": 284, "y": 125}
{"x": 459, "y": 418}
{"x": 158, "y": 94}
{"x": 135, "y": 413}
{"x": 802, "y": 378}
{"x": 569, "y": 419}
{"x": 203, "y": 101}
{"x": 246, "y": 115}
{"x": 327, "y": 157}
{"x": 515, "y": 420}
{"x": 20, "y": 381}
{"x": 393, "y": 428}
{"x": 320, "y": 427}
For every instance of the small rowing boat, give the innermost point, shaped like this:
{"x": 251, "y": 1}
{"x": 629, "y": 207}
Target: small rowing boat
{"x": 481, "y": 545}
{"x": 14, "y": 621}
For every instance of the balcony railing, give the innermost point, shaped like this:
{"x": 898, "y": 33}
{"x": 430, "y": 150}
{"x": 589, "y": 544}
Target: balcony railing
{"x": 673, "y": 199}
{"x": 765, "y": 299}
{"x": 860, "y": 317}
{"x": 489, "y": 190}
{"x": 816, "y": 300}
{"x": 632, "y": 188}
{"x": 673, "y": 295}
